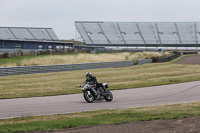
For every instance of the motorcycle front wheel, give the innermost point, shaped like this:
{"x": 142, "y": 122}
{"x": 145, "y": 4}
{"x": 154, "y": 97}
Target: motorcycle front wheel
{"x": 108, "y": 96}
{"x": 88, "y": 96}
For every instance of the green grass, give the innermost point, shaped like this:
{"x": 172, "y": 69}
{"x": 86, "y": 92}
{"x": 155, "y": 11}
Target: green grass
{"x": 16, "y": 60}
{"x": 117, "y": 116}
{"x": 118, "y": 78}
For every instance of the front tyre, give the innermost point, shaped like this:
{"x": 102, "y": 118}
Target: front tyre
{"x": 89, "y": 97}
{"x": 108, "y": 96}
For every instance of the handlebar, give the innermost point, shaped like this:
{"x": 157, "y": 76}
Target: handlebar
{"x": 92, "y": 84}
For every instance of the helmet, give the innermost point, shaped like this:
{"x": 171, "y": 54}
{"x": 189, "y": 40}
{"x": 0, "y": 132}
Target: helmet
{"x": 88, "y": 75}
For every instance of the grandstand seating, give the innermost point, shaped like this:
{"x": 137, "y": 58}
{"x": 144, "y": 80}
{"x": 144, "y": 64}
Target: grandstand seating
{"x": 174, "y": 34}
{"x": 24, "y": 33}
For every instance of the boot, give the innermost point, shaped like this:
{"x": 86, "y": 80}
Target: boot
{"x": 104, "y": 89}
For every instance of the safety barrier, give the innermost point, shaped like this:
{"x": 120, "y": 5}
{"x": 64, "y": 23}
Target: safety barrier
{"x": 165, "y": 59}
{"x": 8, "y": 71}
{"x": 144, "y": 61}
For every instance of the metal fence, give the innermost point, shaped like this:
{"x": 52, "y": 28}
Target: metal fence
{"x": 8, "y": 71}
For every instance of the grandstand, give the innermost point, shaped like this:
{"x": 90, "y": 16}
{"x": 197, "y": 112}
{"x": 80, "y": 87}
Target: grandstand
{"x": 30, "y": 38}
{"x": 183, "y": 35}
{"x": 24, "y": 33}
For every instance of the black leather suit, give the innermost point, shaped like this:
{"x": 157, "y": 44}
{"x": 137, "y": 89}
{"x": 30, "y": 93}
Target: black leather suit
{"x": 93, "y": 80}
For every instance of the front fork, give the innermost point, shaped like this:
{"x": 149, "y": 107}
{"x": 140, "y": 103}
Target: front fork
{"x": 95, "y": 92}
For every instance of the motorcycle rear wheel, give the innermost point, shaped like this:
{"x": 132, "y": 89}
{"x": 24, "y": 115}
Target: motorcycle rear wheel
{"x": 89, "y": 96}
{"x": 108, "y": 96}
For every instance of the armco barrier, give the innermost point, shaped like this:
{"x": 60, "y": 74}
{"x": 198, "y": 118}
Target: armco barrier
{"x": 169, "y": 58}
{"x": 165, "y": 59}
{"x": 144, "y": 61}
{"x": 8, "y": 71}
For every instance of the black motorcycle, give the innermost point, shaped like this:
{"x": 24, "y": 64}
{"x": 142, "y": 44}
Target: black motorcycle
{"x": 92, "y": 93}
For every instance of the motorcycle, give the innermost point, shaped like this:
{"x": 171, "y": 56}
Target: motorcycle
{"x": 92, "y": 93}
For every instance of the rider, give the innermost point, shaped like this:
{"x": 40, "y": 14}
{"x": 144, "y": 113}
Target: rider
{"x": 93, "y": 80}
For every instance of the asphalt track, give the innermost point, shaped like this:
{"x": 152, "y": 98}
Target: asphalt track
{"x": 139, "y": 97}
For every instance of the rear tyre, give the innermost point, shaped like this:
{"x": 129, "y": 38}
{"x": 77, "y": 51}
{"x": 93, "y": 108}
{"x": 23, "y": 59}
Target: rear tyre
{"x": 89, "y": 96}
{"x": 108, "y": 96}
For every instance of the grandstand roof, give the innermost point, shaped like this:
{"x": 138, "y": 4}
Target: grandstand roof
{"x": 27, "y": 33}
{"x": 139, "y": 33}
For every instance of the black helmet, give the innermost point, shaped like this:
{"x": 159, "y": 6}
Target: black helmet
{"x": 88, "y": 75}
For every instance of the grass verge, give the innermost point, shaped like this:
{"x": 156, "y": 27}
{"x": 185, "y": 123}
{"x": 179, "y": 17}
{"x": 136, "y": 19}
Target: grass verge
{"x": 77, "y": 58}
{"x": 117, "y": 116}
{"x": 118, "y": 78}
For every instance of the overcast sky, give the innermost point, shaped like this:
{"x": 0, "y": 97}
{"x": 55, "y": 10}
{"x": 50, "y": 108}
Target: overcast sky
{"x": 61, "y": 14}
